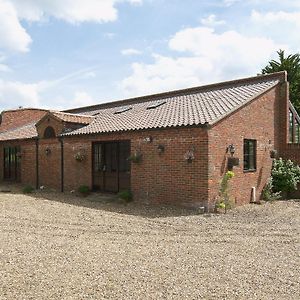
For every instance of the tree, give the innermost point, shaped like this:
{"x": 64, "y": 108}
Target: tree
{"x": 291, "y": 64}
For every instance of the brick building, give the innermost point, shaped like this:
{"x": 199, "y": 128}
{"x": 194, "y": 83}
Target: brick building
{"x": 171, "y": 147}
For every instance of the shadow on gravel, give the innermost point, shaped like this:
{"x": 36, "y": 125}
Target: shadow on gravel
{"x": 106, "y": 202}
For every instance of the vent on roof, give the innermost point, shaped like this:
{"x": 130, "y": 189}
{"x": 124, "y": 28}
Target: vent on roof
{"x": 122, "y": 109}
{"x": 156, "y": 104}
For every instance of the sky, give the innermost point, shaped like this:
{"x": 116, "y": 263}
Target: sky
{"x": 60, "y": 54}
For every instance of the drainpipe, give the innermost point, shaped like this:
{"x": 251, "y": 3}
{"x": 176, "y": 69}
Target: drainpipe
{"x": 37, "y": 180}
{"x": 62, "y": 163}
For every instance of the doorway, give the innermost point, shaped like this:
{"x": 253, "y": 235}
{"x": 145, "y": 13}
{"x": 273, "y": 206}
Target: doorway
{"x": 111, "y": 167}
{"x": 12, "y": 164}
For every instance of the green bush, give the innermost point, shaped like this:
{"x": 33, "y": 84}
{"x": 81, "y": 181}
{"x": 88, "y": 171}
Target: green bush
{"x": 28, "y": 189}
{"x": 268, "y": 193}
{"x": 285, "y": 175}
{"x": 125, "y": 195}
{"x": 84, "y": 190}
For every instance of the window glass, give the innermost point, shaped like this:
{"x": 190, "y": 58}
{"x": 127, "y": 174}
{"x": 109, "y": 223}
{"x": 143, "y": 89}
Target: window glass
{"x": 49, "y": 133}
{"x": 249, "y": 155}
{"x": 291, "y": 127}
{"x": 297, "y": 131}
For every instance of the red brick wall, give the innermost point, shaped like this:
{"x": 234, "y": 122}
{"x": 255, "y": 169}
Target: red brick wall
{"x": 260, "y": 120}
{"x": 50, "y": 165}
{"x": 28, "y": 162}
{"x": 16, "y": 118}
{"x": 1, "y": 162}
{"x": 77, "y": 173}
{"x": 159, "y": 178}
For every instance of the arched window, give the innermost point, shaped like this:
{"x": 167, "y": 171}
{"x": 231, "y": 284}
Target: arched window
{"x": 49, "y": 133}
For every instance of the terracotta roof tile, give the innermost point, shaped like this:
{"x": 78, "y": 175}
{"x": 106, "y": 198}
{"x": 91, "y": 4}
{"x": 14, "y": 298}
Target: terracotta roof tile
{"x": 25, "y": 132}
{"x": 196, "y": 106}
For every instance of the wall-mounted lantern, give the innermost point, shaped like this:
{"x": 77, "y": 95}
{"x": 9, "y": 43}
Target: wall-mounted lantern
{"x": 160, "y": 149}
{"x": 231, "y": 149}
{"x": 48, "y": 151}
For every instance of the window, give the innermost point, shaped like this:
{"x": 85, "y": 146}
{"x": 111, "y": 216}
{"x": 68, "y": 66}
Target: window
{"x": 297, "y": 131}
{"x": 291, "y": 127}
{"x": 122, "y": 109}
{"x": 249, "y": 155}
{"x": 49, "y": 133}
{"x": 156, "y": 104}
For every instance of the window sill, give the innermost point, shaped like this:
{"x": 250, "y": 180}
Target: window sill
{"x": 250, "y": 171}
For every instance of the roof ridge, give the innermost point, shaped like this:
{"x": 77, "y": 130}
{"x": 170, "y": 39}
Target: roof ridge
{"x": 24, "y": 108}
{"x": 70, "y": 114}
{"x": 281, "y": 76}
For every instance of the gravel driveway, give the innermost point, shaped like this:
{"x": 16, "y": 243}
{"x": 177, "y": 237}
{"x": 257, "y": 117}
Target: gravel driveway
{"x": 55, "y": 246}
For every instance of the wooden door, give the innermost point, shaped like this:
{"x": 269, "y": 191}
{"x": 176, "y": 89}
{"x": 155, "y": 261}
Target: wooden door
{"x": 111, "y": 167}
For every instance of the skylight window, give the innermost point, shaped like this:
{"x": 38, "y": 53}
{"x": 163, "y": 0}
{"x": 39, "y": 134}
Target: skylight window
{"x": 156, "y": 104}
{"x": 122, "y": 110}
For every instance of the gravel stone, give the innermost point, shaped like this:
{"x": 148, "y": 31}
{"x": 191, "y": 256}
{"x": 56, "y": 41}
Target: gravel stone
{"x": 59, "y": 246}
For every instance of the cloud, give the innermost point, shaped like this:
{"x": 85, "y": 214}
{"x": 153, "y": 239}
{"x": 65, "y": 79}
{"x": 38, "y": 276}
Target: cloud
{"x": 4, "y": 68}
{"x": 131, "y": 51}
{"x": 271, "y": 17}
{"x": 14, "y": 93}
{"x": 201, "y": 56}
{"x": 82, "y": 98}
{"x": 72, "y": 11}
{"x": 281, "y": 26}
{"x": 212, "y": 21}
{"x": 109, "y": 35}
{"x": 13, "y": 35}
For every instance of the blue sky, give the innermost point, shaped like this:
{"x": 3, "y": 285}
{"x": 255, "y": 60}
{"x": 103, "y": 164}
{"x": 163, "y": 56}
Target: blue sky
{"x": 60, "y": 54}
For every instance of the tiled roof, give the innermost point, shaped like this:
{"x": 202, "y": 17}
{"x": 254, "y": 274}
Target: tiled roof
{"x": 195, "y": 106}
{"x": 24, "y": 132}
{"x": 73, "y": 118}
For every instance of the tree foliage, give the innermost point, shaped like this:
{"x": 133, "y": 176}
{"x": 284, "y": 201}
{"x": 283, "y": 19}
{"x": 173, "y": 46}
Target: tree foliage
{"x": 291, "y": 64}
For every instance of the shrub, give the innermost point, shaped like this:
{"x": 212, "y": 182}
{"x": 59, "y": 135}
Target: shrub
{"x": 125, "y": 195}
{"x": 84, "y": 190}
{"x": 221, "y": 205}
{"x": 224, "y": 187}
{"x": 268, "y": 193}
{"x": 285, "y": 175}
{"x": 28, "y": 189}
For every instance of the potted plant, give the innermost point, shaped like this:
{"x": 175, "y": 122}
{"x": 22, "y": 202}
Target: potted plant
{"x": 79, "y": 156}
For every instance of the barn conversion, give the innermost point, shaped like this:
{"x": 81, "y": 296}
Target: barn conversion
{"x": 172, "y": 147}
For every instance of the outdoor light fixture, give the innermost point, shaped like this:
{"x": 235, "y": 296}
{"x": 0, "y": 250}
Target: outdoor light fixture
{"x": 148, "y": 139}
{"x": 48, "y": 151}
{"x": 231, "y": 149}
{"x": 160, "y": 148}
